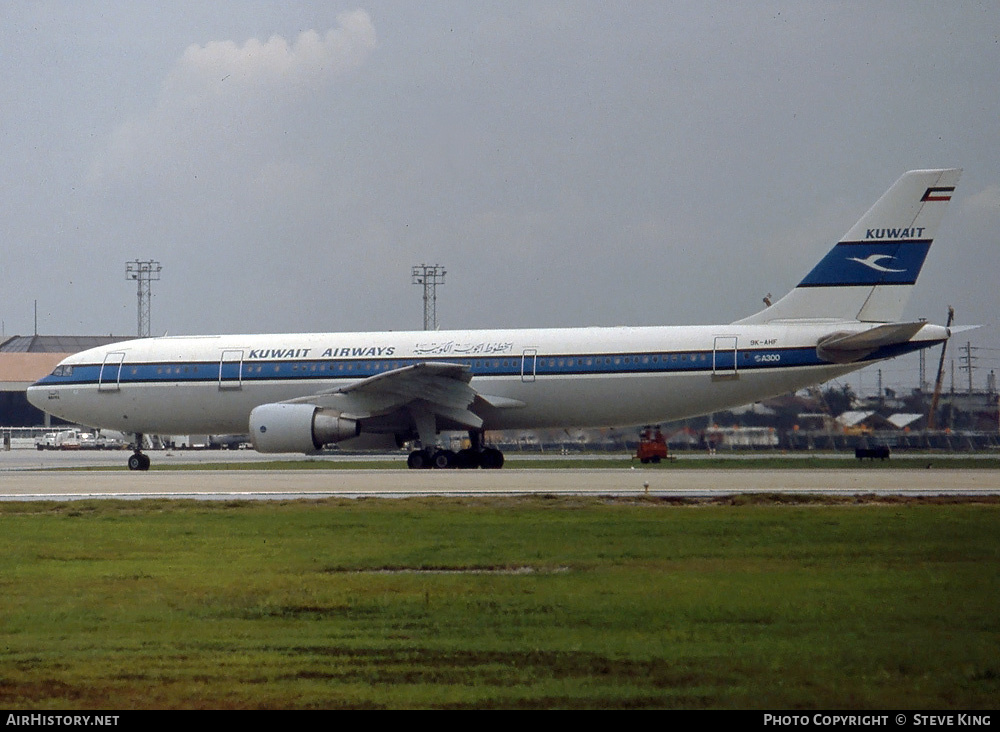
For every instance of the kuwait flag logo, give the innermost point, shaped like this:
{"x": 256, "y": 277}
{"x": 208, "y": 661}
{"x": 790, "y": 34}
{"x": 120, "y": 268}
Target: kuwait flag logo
{"x": 938, "y": 194}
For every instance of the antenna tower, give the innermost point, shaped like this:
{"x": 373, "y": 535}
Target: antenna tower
{"x": 143, "y": 272}
{"x": 430, "y": 276}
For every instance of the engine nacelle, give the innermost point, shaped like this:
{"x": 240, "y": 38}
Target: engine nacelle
{"x": 298, "y": 427}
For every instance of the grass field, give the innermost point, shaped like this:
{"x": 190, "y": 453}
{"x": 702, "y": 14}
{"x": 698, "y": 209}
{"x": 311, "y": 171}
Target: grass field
{"x": 507, "y": 603}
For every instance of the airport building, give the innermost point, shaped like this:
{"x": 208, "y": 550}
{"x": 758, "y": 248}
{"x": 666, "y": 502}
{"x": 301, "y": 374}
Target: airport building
{"x": 24, "y": 360}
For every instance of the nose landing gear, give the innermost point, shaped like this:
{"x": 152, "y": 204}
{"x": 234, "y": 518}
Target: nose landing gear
{"x": 138, "y": 460}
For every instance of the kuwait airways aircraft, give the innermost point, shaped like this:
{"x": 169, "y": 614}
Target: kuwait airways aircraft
{"x": 297, "y": 393}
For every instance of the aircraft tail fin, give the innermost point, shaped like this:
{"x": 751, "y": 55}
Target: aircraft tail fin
{"x": 870, "y": 273}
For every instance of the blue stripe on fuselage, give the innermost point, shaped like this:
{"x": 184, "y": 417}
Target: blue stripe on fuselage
{"x": 540, "y": 366}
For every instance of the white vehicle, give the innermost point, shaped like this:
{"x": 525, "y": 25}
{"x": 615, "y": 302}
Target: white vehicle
{"x": 46, "y": 441}
{"x": 68, "y": 439}
{"x": 299, "y": 392}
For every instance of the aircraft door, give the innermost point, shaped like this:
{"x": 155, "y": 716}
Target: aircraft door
{"x": 529, "y": 358}
{"x": 724, "y": 363}
{"x": 111, "y": 371}
{"x": 231, "y": 369}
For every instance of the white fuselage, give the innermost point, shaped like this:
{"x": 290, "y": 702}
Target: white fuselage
{"x": 300, "y": 392}
{"x": 574, "y": 377}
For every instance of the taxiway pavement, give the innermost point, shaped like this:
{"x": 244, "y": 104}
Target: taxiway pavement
{"x": 28, "y": 482}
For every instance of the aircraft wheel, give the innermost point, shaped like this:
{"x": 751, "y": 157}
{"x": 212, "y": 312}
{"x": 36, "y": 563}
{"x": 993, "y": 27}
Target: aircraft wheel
{"x": 138, "y": 461}
{"x": 418, "y": 459}
{"x": 491, "y": 458}
{"x": 443, "y": 459}
{"x": 467, "y": 458}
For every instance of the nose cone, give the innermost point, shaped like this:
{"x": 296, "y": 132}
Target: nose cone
{"x": 37, "y": 396}
{"x": 52, "y": 400}
{"x": 45, "y": 394}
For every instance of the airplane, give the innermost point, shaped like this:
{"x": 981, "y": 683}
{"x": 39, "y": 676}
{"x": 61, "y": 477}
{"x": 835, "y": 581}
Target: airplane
{"x": 300, "y": 392}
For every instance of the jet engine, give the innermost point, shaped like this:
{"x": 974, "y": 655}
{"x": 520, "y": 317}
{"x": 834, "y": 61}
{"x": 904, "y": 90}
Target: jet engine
{"x": 298, "y": 427}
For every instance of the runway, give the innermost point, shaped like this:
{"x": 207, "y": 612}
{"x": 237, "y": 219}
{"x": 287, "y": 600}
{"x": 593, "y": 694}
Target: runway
{"x": 259, "y": 484}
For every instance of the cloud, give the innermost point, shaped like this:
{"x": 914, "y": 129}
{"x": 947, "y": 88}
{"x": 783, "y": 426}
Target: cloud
{"x": 221, "y": 98}
{"x": 222, "y": 68}
{"x": 986, "y": 202}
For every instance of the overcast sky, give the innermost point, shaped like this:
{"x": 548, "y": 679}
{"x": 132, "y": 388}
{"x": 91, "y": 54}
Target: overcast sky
{"x": 569, "y": 163}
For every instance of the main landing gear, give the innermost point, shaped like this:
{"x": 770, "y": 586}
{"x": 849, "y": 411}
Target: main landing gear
{"x": 474, "y": 456}
{"x": 138, "y": 460}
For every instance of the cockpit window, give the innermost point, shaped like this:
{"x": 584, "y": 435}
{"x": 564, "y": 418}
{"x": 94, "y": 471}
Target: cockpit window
{"x": 63, "y": 371}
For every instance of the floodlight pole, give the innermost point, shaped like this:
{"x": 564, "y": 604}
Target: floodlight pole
{"x": 143, "y": 272}
{"x": 430, "y": 276}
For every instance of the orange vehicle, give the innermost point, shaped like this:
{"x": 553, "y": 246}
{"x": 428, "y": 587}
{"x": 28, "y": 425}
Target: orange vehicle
{"x": 652, "y": 446}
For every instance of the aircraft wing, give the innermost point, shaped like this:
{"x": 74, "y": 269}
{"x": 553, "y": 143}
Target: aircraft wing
{"x": 439, "y": 388}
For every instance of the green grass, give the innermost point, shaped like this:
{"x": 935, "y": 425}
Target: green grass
{"x": 510, "y": 603}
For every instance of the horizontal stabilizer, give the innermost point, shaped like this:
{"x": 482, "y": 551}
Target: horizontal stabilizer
{"x": 845, "y": 347}
{"x": 956, "y": 329}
